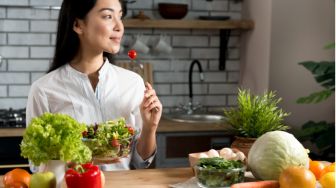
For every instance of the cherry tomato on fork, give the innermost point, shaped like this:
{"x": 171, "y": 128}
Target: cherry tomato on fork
{"x": 132, "y": 54}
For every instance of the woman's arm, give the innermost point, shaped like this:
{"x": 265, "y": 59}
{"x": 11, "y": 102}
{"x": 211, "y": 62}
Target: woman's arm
{"x": 151, "y": 111}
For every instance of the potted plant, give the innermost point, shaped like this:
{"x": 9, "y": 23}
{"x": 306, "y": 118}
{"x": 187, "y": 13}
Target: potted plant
{"x": 322, "y": 133}
{"x": 51, "y": 140}
{"x": 254, "y": 116}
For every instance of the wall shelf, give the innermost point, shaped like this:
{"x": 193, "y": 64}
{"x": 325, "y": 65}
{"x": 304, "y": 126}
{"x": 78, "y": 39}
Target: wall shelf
{"x": 225, "y": 27}
{"x": 189, "y": 24}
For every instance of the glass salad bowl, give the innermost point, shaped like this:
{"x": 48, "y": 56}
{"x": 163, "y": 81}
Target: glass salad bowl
{"x": 218, "y": 172}
{"x": 109, "y": 141}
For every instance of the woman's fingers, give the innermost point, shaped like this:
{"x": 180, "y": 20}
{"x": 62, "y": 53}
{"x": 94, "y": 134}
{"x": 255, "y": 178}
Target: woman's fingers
{"x": 153, "y": 106}
{"x": 149, "y": 101}
{"x": 150, "y": 97}
{"x": 149, "y": 93}
{"x": 148, "y": 85}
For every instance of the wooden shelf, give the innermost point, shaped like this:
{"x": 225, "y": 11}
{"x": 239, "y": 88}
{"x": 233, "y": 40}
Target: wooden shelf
{"x": 189, "y": 24}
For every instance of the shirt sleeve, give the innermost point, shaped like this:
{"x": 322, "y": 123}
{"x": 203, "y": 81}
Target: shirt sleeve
{"x": 137, "y": 161}
{"x": 37, "y": 104}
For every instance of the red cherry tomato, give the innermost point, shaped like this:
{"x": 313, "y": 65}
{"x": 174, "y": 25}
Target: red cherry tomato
{"x": 132, "y": 54}
{"x": 130, "y": 130}
{"x": 115, "y": 143}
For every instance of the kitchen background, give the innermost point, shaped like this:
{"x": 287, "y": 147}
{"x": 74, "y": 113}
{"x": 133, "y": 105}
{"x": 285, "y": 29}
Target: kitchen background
{"x": 27, "y": 38}
{"x": 265, "y": 58}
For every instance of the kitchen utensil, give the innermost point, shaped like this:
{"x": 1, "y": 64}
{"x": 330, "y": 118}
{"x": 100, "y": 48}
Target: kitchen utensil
{"x": 137, "y": 67}
{"x": 161, "y": 46}
{"x": 139, "y": 46}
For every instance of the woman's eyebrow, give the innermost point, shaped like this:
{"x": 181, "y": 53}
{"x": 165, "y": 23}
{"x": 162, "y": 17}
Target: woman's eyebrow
{"x": 109, "y": 9}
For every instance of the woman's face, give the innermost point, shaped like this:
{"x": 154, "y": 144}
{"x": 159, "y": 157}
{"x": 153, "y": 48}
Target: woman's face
{"x": 102, "y": 28}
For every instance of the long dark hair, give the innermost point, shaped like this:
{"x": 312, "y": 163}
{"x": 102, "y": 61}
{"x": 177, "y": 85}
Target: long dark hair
{"x": 67, "y": 41}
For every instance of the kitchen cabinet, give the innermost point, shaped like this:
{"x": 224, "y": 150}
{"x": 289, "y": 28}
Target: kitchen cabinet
{"x": 173, "y": 148}
{"x": 10, "y": 157}
{"x": 176, "y": 140}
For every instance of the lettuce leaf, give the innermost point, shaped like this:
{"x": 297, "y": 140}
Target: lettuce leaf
{"x": 54, "y": 137}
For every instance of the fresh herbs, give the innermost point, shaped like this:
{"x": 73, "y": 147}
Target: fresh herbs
{"x": 219, "y": 172}
{"x": 256, "y": 115}
{"x": 54, "y": 137}
{"x": 109, "y": 139}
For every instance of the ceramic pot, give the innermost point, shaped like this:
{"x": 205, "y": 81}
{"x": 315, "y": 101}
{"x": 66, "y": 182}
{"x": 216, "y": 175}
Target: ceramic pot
{"x": 58, "y": 168}
{"x": 243, "y": 144}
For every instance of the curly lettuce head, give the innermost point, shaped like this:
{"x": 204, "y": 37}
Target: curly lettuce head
{"x": 54, "y": 137}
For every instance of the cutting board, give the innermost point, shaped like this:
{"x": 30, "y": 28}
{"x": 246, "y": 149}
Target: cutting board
{"x": 146, "y": 72}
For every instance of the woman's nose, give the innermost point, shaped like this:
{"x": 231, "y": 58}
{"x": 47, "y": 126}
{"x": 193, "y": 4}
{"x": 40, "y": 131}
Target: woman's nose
{"x": 119, "y": 26}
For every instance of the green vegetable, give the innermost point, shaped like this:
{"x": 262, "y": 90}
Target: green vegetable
{"x": 256, "y": 115}
{"x": 219, "y": 172}
{"x": 219, "y": 163}
{"x": 273, "y": 152}
{"x": 54, "y": 137}
{"x": 110, "y": 139}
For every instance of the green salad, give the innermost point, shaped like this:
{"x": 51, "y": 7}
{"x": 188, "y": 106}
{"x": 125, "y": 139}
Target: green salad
{"x": 219, "y": 172}
{"x": 110, "y": 139}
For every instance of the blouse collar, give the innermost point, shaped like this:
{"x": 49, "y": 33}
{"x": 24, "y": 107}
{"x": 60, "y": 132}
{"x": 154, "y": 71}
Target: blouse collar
{"x": 102, "y": 71}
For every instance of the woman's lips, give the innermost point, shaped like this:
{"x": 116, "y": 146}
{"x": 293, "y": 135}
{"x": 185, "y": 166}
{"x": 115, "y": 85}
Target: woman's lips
{"x": 116, "y": 39}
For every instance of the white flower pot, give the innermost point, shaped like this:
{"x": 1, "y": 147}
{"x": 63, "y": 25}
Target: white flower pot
{"x": 57, "y": 167}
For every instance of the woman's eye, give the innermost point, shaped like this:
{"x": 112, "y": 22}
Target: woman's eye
{"x": 107, "y": 17}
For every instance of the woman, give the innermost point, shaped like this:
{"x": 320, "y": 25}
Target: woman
{"x": 84, "y": 84}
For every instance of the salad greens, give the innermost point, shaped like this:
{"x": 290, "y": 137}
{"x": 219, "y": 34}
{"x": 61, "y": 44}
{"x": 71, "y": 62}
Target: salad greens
{"x": 54, "y": 137}
{"x": 219, "y": 163}
{"x": 109, "y": 139}
{"x": 219, "y": 172}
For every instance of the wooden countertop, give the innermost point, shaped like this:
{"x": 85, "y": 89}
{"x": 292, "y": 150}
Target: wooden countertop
{"x": 144, "y": 178}
{"x": 148, "y": 178}
{"x": 166, "y": 126}
{"x": 11, "y": 132}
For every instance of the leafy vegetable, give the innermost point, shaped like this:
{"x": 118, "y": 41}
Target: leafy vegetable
{"x": 219, "y": 163}
{"x": 273, "y": 152}
{"x": 219, "y": 172}
{"x": 54, "y": 137}
{"x": 256, "y": 115}
{"x": 109, "y": 139}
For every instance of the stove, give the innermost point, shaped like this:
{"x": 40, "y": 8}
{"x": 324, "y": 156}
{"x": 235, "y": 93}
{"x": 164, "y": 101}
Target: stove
{"x": 12, "y": 118}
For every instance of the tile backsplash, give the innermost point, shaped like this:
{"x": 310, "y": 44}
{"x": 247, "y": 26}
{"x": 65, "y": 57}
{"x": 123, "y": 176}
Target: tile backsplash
{"x": 27, "y": 38}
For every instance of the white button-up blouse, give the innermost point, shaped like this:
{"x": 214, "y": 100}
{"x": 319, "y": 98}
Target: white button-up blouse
{"x": 118, "y": 93}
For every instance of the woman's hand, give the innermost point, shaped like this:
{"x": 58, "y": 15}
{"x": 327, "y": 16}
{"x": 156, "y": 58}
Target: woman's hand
{"x": 151, "y": 109}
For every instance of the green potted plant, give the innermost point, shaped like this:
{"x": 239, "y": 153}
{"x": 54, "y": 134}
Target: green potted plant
{"x": 51, "y": 140}
{"x": 322, "y": 133}
{"x": 254, "y": 116}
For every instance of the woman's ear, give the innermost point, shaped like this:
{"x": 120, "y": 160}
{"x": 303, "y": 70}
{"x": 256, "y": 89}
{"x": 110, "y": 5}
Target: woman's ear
{"x": 78, "y": 26}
